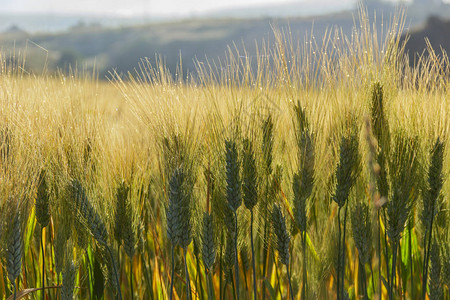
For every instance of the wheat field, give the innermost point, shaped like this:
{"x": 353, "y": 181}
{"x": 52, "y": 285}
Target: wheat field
{"x": 314, "y": 170}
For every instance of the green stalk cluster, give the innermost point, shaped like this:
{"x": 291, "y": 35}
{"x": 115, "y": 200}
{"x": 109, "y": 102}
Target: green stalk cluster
{"x": 403, "y": 173}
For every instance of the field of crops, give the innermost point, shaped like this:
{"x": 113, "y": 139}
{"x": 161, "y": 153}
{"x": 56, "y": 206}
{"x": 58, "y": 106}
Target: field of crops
{"x": 303, "y": 171}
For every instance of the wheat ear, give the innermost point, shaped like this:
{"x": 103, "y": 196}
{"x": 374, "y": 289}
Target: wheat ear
{"x": 14, "y": 253}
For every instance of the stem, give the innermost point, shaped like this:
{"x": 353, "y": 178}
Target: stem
{"x": 172, "y": 276}
{"x": 253, "y": 254}
{"x": 362, "y": 271}
{"x": 371, "y": 273}
{"x": 224, "y": 289}
{"x": 289, "y": 280}
{"x": 278, "y": 286}
{"x": 43, "y": 263}
{"x": 131, "y": 277}
{"x": 427, "y": 255}
{"x": 236, "y": 262}
{"x": 234, "y": 289}
{"x": 265, "y": 254}
{"x": 343, "y": 252}
{"x": 379, "y": 254}
{"x": 399, "y": 270}
{"x": 305, "y": 273}
{"x": 427, "y": 258}
{"x": 199, "y": 274}
{"x": 394, "y": 262}
{"x": 188, "y": 282}
{"x": 339, "y": 256}
{"x": 209, "y": 284}
{"x": 220, "y": 267}
{"x": 115, "y": 271}
{"x": 410, "y": 259}
{"x": 15, "y": 289}
{"x": 386, "y": 253}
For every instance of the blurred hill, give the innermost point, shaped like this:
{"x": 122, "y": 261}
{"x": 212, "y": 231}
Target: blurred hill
{"x": 90, "y": 44}
{"x": 122, "y": 48}
{"x": 436, "y": 30}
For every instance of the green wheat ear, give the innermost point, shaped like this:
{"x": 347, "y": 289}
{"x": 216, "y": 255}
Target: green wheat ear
{"x": 232, "y": 176}
{"x": 59, "y": 247}
{"x": 435, "y": 182}
{"x": 250, "y": 184}
{"x": 380, "y": 129}
{"x": 446, "y": 264}
{"x": 347, "y": 168}
{"x": 69, "y": 274}
{"x": 282, "y": 236}
{"x": 42, "y": 201}
{"x": 86, "y": 213}
{"x": 178, "y": 211}
{"x": 303, "y": 182}
{"x": 267, "y": 143}
{"x": 361, "y": 219}
{"x": 208, "y": 246}
{"x": 125, "y": 228}
{"x": 378, "y": 117}
{"x": 229, "y": 257}
{"x": 435, "y": 281}
{"x": 14, "y": 250}
{"x": 120, "y": 210}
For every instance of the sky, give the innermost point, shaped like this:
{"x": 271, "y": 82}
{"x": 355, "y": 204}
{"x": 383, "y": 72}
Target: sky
{"x": 140, "y": 7}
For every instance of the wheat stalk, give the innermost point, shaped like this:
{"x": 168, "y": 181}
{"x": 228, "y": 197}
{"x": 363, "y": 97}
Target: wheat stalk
{"x": 178, "y": 219}
{"x": 42, "y": 206}
{"x": 92, "y": 220}
{"x": 346, "y": 173}
{"x": 267, "y": 150}
{"x": 250, "y": 194}
{"x": 233, "y": 195}
{"x": 282, "y": 240}
{"x": 430, "y": 202}
{"x": 362, "y": 235}
{"x": 68, "y": 274}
